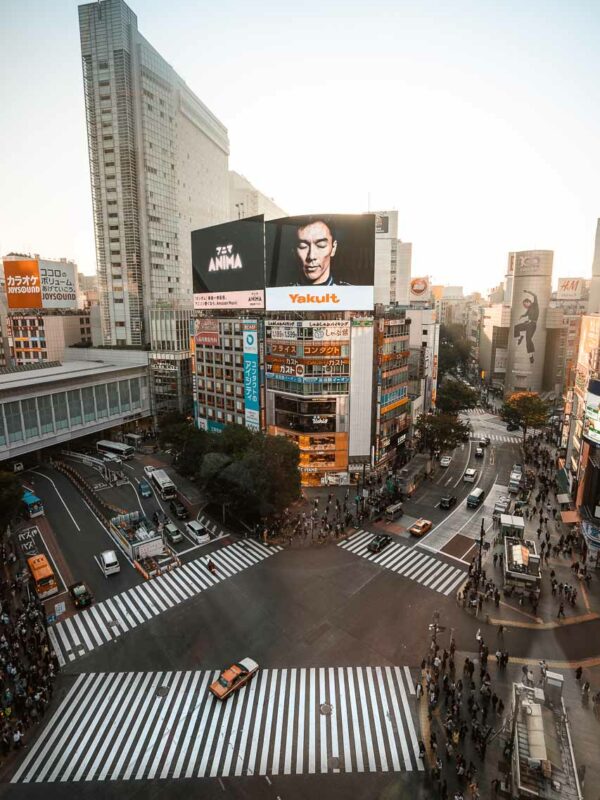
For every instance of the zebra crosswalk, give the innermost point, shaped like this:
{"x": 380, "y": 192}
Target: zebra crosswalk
{"x": 498, "y": 437}
{"x": 166, "y": 725}
{"x": 410, "y": 562}
{"x": 103, "y": 622}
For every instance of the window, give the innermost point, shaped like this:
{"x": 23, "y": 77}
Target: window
{"x": 134, "y": 385}
{"x": 28, "y": 407}
{"x": 45, "y": 411}
{"x": 59, "y": 402}
{"x": 75, "y": 407}
{"x": 101, "y": 404}
{"x": 113, "y": 397}
{"x": 89, "y": 412}
{"x": 12, "y": 414}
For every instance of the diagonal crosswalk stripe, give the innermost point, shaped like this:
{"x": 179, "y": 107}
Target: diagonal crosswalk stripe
{"x": 166, "y": 725}
{"x": 408, "y": 562}
{"x": 103, "y": 622}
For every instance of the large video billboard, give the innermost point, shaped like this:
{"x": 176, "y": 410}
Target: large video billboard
{"x": 320, "y": 262}
{"x": 591, "y": 424}
{"x": 33, "y": 283}
{"x": 228, "y": 265}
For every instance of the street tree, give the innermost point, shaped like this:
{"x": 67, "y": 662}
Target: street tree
{"x": 11, "y": 495}
{"x": 454, "y": 350}
{"x": 454, "y": 396}
{"x": 441, "y": 431}
{"x": 526, "y": 409}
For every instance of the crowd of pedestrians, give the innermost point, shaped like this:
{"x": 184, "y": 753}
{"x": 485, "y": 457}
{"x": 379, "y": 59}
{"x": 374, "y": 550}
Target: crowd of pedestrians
{"x": 468, "y": 709}
{"x": 28, "y": 666}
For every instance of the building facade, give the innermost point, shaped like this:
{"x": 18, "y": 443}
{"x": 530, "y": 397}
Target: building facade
{"x": 393, "y": 260}
{"x": 245, "y": 200}
{"x": 337, "y": 386}
{"x": 423, "y": 361}
{"x": 158, "y": 166}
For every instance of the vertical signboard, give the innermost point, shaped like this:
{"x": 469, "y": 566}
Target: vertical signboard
{"x": 527, "y": 335}
{"x": 251, "y": 375}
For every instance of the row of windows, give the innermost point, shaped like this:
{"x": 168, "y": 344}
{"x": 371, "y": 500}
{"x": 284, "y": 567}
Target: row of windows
{"x": 22, "y": 420}
{"x": 219, "y": 415}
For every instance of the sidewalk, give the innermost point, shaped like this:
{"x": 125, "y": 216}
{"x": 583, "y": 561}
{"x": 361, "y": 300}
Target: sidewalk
{"x": 542, "y": 613}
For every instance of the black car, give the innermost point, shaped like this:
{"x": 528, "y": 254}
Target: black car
{"x": 448, "y": 501}
{"x": 179, "y": 509}
{"x": 81, "y": 595}
{"x": 377, "y": 544}
{"x": 512, "y": 426}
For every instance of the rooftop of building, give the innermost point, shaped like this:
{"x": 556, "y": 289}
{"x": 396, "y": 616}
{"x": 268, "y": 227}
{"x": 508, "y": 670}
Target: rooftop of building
{"x": 521, "y": 556}
{"x": 15, "y": 378}
{"x": 544, "y": 751}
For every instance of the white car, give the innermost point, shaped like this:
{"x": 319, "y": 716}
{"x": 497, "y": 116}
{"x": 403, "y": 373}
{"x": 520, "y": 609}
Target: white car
{"x": 470, "y": 475}
{"x": 197, "y": 532}
{"x": 148, "y": 470}
{"x": 109, "y": 563}
{"x": 445, "y": 461}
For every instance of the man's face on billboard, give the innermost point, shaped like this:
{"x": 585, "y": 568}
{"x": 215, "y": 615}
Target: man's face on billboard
{"x": 315, "y": 249}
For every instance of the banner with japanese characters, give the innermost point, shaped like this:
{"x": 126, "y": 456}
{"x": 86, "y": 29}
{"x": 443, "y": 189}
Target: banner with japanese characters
{"x": 33, "y": 283}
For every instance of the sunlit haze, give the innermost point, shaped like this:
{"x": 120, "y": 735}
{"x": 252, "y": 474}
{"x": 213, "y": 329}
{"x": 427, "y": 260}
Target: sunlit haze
{"x": 477, "y": 121}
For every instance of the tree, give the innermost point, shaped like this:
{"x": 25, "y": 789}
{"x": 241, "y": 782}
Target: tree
{"x": 527, "y": 409}
{"x": 11, "y": 496}
{"x": 441, "y": 431}
{"x": 454, "y": 350}
{"x": 454, "y": 396}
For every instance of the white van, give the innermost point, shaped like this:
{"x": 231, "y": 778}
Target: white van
{"x": 470, "y": 475}
{"x": 109, "y": 563}
{"x": 198, "y": 532}
{"x": 393, "y": 512}
{"x": 110, "y": 458}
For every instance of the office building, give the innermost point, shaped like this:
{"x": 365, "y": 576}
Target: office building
{"x": 159, "y": 167}
{"x": 392, "y": 261}
{"x": 43, "y": 336}
{"x": 245, "y": 200}
{"x": 423, "y": 359}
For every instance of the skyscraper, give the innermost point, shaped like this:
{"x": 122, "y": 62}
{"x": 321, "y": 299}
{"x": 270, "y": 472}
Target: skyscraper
{"x": 159, "y": 168}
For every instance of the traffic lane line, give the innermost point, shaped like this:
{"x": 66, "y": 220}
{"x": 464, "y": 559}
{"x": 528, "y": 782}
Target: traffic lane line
{"x": 41, "y": 474}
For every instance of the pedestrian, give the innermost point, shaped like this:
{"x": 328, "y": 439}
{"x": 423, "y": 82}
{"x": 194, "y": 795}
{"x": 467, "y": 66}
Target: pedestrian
{"x": 561, "y": 611}
{"x": 422, "y": 750}
{"x": 578, "y": 673}
{"x": 419, "y": 690}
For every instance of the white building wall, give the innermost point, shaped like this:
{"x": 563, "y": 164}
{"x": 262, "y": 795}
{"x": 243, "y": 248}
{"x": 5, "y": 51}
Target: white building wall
{"x": 361, "y": 390}
{"x": 245, "y": 200}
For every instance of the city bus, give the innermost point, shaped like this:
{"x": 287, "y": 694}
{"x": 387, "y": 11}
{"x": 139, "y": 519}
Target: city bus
{"x": 43, "y": 576}
{"x": 164, "y": 485}
{"x": 32, "y": 505}
{"x": 124, "y": 451}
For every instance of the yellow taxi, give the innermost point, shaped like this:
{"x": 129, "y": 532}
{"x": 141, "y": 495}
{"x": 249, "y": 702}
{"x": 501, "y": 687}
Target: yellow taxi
{"x": 233, "y": 678}
{"x": 420, "y": 527}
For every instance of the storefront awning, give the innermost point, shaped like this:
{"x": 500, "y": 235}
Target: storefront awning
{"x": 570, "y": 517}
{"x": 562, "y": 479}
{"x": 563, "y": 498}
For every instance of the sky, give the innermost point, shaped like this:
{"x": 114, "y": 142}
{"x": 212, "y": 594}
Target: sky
{"x": 479, "y": 121}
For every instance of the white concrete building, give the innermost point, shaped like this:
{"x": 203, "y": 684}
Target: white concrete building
{"x": 245, "y": 200}
{"x": 159, "y": 168}
{"x": 423, "y": 360}
{"x": 392, "y": 261}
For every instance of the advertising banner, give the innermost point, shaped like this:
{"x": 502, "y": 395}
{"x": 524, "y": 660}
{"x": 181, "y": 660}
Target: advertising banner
{"x": 31, "y": 283}
{"x": 228, "y": 265}
{"x": 320, "y": 262}
{"x": 527, "y": 335}
{"x": 500, "y": 359}
{"x": 591, "y": 425}
{"x": 570, "y": 289}
{"x": 251, "y": 376}
{"x": 204, "y": 331}
{"x": 420, "y": 290}
{"x": 322, "y": 331}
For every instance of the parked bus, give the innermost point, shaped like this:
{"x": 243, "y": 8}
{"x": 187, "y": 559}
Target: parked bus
{"x": 43, "y": 576}
{"x": 32, "y": 505}
{"x": 164, "y": 485}
{"x": 123, "y": 451}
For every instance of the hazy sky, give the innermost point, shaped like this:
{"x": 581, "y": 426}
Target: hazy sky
{"x": 479, "y": 121}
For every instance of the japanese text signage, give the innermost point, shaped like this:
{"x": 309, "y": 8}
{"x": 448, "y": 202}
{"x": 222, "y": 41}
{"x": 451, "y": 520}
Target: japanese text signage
{"x": 31, "y": 283}
{"x": 251, "y": 376}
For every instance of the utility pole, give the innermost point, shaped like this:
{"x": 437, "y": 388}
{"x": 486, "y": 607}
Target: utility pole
{"x": 481, "y": 538}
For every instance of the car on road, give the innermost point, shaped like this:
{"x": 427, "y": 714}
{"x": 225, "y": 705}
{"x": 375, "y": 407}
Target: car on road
{"x": 420, "y": 527}
{"x": 445, "y": 461}
{"x": 82, "y": 597}
{"x": 109, "y": 563}
{"x": 172, "y": 533}
{"x": 484, "y": 441}
{"x": 377, "y": 543}
{"x": 512, "y": 426}
{"x": 197, "y": 532}
{"x": 470, "y": 475}
{"x": 179, "y": 509}
{"x": 502, "y": 506}
{"x": 148, "y": 470}
{"x": 144, "y": 489}
{"x": 159, "y": 517}
{"x": 479, "y": 452}
{"x": 232, "y": 679}
{"x": 448, "y": 501}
